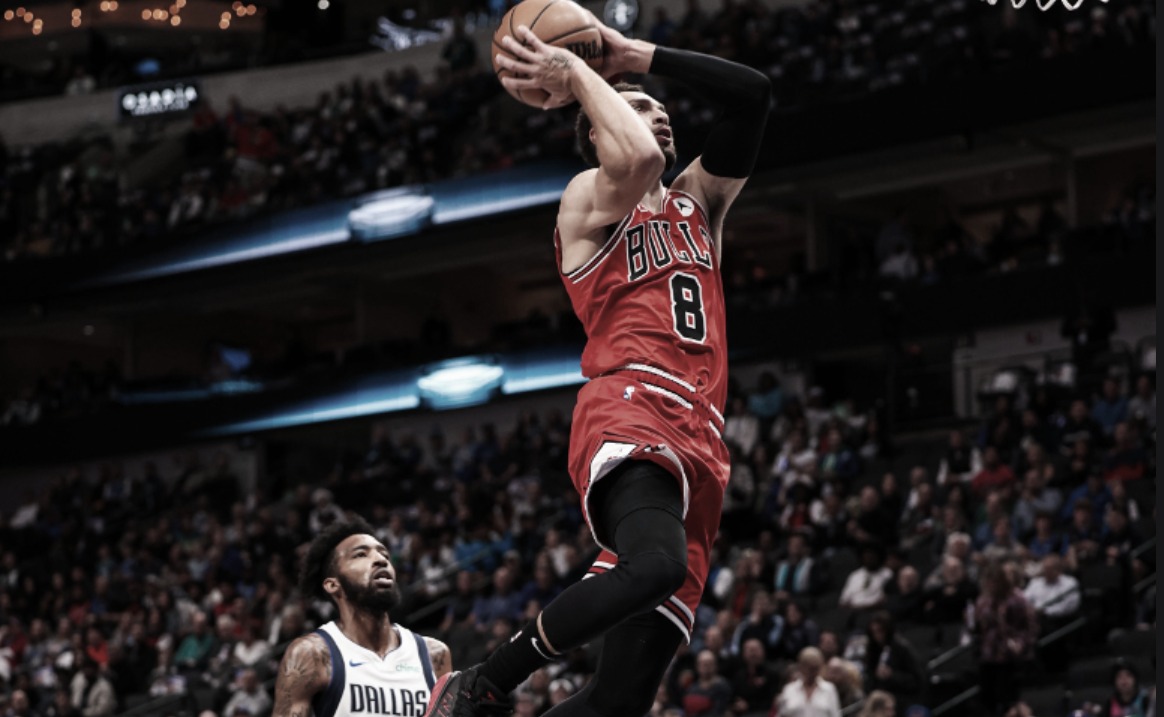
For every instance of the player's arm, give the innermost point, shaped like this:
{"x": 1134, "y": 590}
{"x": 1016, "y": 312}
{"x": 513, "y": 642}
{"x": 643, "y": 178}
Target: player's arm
{"x": 629, "y": 156}
{"x": 741, "y": 94}
{"x": 304, "y": 671}
{"x": 439, "y": 656}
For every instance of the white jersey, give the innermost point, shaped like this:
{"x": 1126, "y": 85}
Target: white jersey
{"x": 364, "y": 684}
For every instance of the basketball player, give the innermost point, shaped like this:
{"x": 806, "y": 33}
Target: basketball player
{"x": 361, "y": 663}
{"x": 641, "y": 265}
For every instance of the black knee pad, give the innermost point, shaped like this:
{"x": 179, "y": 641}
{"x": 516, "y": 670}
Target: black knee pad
{"x": 633, "y": 486}
{"x": 654, "y": 576}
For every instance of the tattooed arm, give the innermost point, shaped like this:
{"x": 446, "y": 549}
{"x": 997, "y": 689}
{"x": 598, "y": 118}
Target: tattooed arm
{"x": 439, "y": 655}
{"x": 305, "y": 670}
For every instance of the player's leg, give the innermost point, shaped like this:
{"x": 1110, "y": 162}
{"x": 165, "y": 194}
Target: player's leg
{"x": 637, "y": 509}
{"x": 635, "y": 656}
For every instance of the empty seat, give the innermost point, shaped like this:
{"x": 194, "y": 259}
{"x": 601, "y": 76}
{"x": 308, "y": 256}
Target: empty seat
{"x": 1133, "y": 643}
{"x": 1046, "y": 700}
{"x": 1091, "y": 672}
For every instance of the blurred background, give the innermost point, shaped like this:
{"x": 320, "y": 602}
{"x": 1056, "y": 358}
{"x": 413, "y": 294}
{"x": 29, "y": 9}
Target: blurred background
{"x": 266, "y": 263}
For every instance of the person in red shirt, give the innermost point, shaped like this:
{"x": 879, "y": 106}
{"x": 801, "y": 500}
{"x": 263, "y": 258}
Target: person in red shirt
{"x": 995, "y": 475}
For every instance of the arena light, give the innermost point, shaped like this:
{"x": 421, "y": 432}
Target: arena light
{"x": 461, "y": 382}
{"x": 335, "y": 408}
{"x": 455, "y": 383}
{"x": 391, "y": 213}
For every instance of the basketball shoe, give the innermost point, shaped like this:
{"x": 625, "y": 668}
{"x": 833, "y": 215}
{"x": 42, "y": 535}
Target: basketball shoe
{"x": 467, "y": 694}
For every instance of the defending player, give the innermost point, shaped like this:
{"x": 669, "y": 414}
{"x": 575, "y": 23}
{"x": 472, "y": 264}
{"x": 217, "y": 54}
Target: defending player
{"x": 361, "y": 663}
{"x": 641, "y": 265}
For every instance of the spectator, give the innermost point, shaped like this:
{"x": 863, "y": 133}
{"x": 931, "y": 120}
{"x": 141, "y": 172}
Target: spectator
{"x": 960, "y": 463}
{"x": 1078, "y": 426}
{"x": 808, "y": 695}
{"x": 879, "y": 704}
{"x": 754, "y": 684}
{"x": 1007, "y": 627}
{"x": 1046, "y": 540}
{"x": 196, "y": 648}
{"x": 1110, "y": 408}
{"x": 709, "y": 694}
{"x": 1036, "y": 497}
{"x": 741, "y": 426}
{"x": 768, "y": 401}
{"x": 830, "y": 520}
{"x": 249, "y": 696}
{"x": 904, "y": 601}
{"x": 1128, "y": 698}
{"x": 796, "y": 462}
{"x": 1088, "y": 326}
{"x": 874, "y": 523}
{"x": 61, "y": 706}
{"x": 1083, "y": 536}
{"x": 888, "y": 662}
{"x": 917, "y": 522}
{"x": 1002, "y": 546}
{"x": 92, "y": 694}
{"x": 502, "y": 603}
{"x": 761, "y": 623}
{"x": 798, "y": 573}
{"x": 1093, "y": 495}
{"x": 1127, "y": 459}
{"x": 1056, "y": 599}
{"x": 324, "y": 511}
{"x": 865, "y": 587}
{"x": 995, "y": 475}
{"x": 543, "y": 587}
{"x": 1118, "y": 538}
{"x": 800, "y": 631}
{"x": 1054, "y": 596}
{"x": 837, "y": 460}
{"x": 1142, "y": 406}
{"x": 947, "y": 592}
{"x": 846, "y": 677}
{"x": 250, "y": 650}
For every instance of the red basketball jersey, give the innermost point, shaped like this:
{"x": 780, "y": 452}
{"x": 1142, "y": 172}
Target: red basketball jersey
{"x": 654, "y": 295}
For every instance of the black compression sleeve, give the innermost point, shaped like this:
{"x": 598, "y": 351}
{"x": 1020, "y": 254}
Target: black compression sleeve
{"x": 743, "y": 96}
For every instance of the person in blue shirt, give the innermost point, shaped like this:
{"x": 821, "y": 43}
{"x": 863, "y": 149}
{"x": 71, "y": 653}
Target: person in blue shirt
{"x": 1094, "y": 490}
{"x": 1046, "y": 540}
{"x": 1110, "y": 408}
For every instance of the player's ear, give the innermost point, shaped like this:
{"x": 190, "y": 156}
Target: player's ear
{"x": 332, "y": 586}
{"x": 593, "y": 136}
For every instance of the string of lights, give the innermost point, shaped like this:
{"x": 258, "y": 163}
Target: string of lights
{"x": 51, "y": 18}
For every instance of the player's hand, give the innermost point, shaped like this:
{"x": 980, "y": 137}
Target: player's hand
{"x": 620, "y": 54}
{"x": 538, "y": 66}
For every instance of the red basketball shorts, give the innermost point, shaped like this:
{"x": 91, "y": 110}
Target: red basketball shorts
{"x": 643, "y": 413}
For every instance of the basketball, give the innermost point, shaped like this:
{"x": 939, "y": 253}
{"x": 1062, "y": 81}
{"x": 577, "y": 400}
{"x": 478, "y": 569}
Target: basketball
{"x": 561, "y": 23}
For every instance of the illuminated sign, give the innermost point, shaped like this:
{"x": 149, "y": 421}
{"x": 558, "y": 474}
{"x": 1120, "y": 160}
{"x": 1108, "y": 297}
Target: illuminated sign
{"x": 158, "y": 98}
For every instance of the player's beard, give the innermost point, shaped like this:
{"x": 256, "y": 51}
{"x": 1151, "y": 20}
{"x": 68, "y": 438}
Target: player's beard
{"x": 370, "y": 597}
{"x": 669, "y": 156}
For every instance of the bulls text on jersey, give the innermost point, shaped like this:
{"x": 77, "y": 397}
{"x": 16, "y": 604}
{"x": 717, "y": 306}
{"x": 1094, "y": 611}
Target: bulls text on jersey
{"x": 653, "y": 244}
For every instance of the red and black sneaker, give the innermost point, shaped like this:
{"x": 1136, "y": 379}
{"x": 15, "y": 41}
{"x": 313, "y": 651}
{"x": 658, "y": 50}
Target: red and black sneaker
{"x": 467, "y": 694}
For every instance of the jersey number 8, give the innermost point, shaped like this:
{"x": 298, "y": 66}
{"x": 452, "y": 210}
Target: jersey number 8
{"x": 687, "y": 307}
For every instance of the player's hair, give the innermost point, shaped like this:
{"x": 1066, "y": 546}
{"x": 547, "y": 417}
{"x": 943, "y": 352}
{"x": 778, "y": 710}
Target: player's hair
{"x": 319, "y": 563}
{"x": 582, "y": 126}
